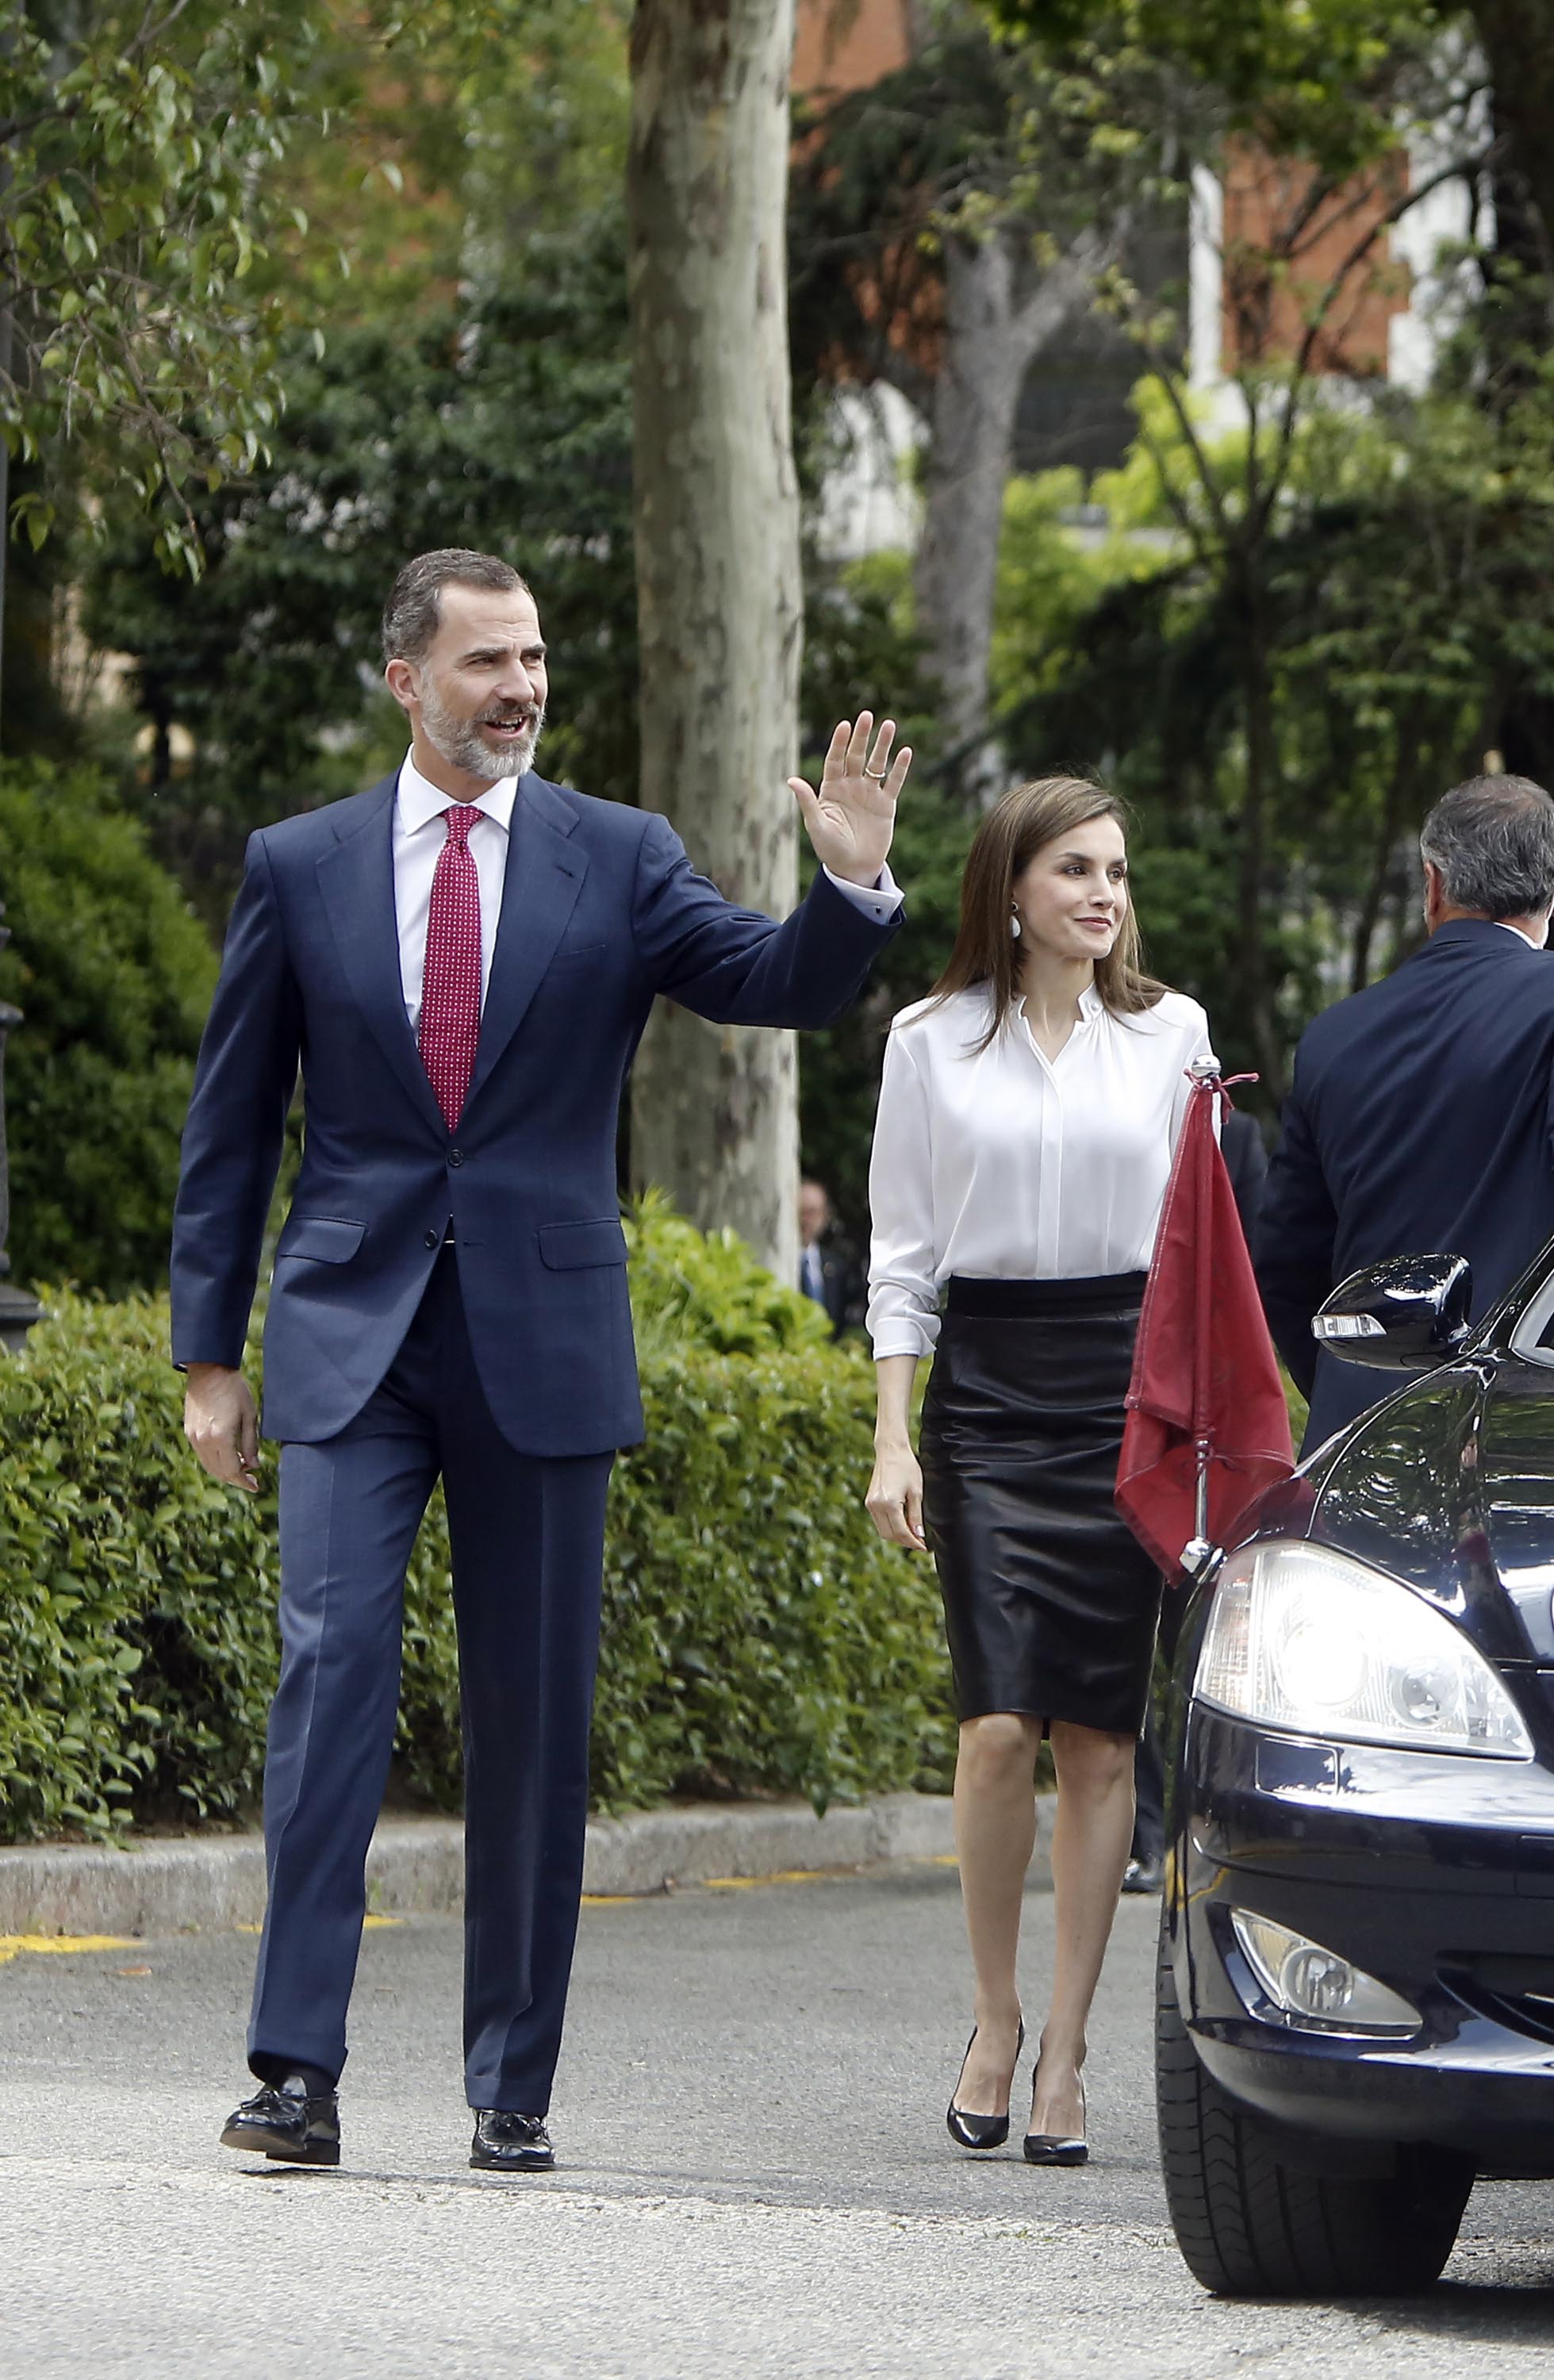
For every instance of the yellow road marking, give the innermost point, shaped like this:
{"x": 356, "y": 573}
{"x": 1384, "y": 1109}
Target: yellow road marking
{"x": 13, "y": 1945}
{"x": 780, "y": 1876}
{"x": 243, "y": 1927}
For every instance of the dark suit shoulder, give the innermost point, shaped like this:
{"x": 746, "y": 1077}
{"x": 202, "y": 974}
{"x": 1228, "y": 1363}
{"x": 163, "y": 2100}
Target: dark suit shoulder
{"x": 604, "y": 824}
{"x": 310, "y": 834}
{"x": 1485, "y": 959}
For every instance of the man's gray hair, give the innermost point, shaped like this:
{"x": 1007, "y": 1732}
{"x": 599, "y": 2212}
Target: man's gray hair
{"x": 1492, "y": 838}
{"x": 411, "y": 613}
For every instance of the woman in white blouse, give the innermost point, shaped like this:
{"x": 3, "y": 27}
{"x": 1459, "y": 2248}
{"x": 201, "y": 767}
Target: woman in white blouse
{"x": 1027, "y": 1116}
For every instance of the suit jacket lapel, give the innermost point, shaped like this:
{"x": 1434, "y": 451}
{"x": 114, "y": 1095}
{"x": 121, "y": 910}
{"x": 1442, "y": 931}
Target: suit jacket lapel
{"x": 545, "y": 873}
{"x": 356, "y": 884}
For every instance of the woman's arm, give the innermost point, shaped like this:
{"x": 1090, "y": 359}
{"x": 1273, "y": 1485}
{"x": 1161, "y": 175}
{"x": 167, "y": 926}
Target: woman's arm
{"x": 904, "y": 1297}
{"x": 896, "y": 1492}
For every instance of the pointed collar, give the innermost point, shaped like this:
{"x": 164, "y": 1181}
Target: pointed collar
{"x": 420, "y": 801}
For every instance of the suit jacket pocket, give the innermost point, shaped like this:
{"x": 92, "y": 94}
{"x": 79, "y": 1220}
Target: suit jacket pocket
{"x": 323, "y": 1238}
{"x": 567, "y": 1246}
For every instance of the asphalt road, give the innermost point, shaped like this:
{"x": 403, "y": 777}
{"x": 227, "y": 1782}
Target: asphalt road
{"x": 755, "y": 2178}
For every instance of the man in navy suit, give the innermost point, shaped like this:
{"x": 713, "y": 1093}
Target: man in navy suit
{"x": 1420, "y": 1115}
{"x": 461, "y": 963}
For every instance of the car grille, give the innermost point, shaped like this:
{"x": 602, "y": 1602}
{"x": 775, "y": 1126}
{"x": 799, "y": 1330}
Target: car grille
{"x": 1509, "y": 1991}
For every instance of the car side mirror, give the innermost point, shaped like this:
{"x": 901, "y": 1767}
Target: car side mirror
{"x": 1407, "y": 1314}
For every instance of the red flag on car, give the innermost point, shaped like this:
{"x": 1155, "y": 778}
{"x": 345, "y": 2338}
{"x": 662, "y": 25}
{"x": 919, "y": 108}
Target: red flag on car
{"x": 1205, "y": 1402}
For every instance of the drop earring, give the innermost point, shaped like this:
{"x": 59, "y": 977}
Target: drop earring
{"x": 1013, "y": 923}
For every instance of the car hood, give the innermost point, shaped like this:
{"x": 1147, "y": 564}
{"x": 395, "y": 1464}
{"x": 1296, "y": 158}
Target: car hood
{"x": 1449, "y": 1485}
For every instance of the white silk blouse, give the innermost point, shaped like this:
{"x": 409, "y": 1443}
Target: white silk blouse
{"x": 1008, "y": 1165}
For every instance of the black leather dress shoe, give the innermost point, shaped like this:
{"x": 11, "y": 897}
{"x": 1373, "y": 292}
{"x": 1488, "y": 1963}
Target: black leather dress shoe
{"x": 1144, "y": 1876}
{"x": 505, "y": 2142}
{"x": 286, "y": 2122}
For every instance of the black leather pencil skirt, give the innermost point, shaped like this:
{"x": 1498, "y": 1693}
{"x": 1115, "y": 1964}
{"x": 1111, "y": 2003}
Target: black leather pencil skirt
{"x": 1050, "y": 1603}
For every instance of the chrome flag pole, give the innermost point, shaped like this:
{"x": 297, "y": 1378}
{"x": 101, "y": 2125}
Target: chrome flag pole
{"x": 1207, "y": 1076}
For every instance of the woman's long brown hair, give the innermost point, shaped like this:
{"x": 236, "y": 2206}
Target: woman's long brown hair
{"x": 1015, "y": 829}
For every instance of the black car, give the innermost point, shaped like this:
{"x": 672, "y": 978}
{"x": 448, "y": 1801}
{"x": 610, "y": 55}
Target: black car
{"x": 1355, "y": 2014}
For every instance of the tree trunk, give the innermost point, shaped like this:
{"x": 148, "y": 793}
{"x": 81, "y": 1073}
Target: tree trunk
{"x": 1515, "y": 39}
{"x": 714, "y": 1109}
{"x": 1396, "y": 803}
{"x": 996, "y": 323}
{"x": 976, "y": 396}
{"x": 1262, "y": 767}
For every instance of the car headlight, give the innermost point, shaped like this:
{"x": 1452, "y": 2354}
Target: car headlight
{"x": 1302, "y": 1637}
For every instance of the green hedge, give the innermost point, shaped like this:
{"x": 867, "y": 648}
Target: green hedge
{"x": 112, "y": 974}
{"x": 757, "y": 1635}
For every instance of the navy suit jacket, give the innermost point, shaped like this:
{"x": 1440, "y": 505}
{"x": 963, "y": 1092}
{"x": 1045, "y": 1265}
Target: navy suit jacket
{"x": 1419, "y": 1121}
{"x": 600, "y": 912}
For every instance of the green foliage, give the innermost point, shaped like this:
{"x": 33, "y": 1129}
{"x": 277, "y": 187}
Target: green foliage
{"x": 501, "y": 422}
{"x": 1316, "y": 78}
{"x": 140, "y": 152}
{"x": 1408, "y": 577}
{"x": 757, "y": 1636}
{"x": 703, "y": 1290}
{"x": 112, "y": 976}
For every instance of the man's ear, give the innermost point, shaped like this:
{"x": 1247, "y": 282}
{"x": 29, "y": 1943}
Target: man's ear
{"x": 1434, "y": 895}
{"x": 400, "y": 679}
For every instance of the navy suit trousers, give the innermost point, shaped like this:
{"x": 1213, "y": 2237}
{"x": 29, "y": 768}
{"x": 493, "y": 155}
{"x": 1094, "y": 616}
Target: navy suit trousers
{"x": 528, "y": 1540}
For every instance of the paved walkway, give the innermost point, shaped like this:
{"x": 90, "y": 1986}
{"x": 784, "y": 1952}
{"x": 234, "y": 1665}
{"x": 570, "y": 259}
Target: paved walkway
{"x": 756, "y": 2178}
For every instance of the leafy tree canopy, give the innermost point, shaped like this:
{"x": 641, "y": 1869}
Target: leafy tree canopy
{"x": 139, "y": 149}
{"x": 1317, "y": 78}
{"x": 502, "y": 423}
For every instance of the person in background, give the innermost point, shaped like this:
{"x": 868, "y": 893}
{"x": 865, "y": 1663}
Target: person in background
{"x": 1029, "y": 1112}
{"x": 1241, "y": 1144}
{"x": 827, "y": 1270}
{"x": 1420, "y": 1117}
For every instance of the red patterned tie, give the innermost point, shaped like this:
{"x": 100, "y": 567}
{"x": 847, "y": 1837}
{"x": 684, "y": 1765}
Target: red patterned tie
{"x": 451, "y": 986}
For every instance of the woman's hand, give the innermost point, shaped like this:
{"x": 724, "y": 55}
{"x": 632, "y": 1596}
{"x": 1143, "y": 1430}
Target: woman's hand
{"x": 895, "y": 1497}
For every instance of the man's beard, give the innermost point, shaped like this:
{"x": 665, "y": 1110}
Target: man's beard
{"x": 462, "y": 746}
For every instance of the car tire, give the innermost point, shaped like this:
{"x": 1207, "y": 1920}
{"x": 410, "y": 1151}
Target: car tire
{"x": 1251, "y": 2224}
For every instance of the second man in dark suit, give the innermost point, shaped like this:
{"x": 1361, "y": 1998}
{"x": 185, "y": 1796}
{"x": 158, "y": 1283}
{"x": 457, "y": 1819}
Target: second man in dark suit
{"x": 1421, "y": 1117}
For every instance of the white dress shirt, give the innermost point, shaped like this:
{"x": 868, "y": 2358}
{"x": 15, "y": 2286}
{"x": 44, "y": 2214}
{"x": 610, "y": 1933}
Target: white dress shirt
{"x": 419, "y": 833}
{"x": 1010, "y": 1165}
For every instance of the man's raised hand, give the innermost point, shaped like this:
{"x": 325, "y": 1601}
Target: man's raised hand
{"x": 222, "y": 1426}
{"x": 851, "y": 819}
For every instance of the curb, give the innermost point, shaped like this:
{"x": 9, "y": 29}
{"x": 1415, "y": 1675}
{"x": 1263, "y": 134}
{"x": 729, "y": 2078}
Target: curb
{"x": 416, "y": 1866}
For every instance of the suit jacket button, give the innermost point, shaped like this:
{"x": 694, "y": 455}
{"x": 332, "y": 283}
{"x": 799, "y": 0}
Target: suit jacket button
{"x": 455, "y": 1157}
{"x": 431, "y": 1239}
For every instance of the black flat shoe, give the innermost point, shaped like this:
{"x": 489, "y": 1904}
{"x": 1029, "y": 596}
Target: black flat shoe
{"x": 1056, "y": 2148}
{"x": 288, "y": 2123}
{"x": 969, "y": 2131}
{"x": 1144, "y": 1876}
{"x": 507, "y": 2144}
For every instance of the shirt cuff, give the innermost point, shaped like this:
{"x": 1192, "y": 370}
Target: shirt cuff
{"x": 904, "y": 1335}
{"x": 880, "y": 901}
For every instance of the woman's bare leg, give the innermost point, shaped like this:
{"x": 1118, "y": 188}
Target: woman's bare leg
{"x": 995, "y": 1834}
{"x": 1090, "y": 1840}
